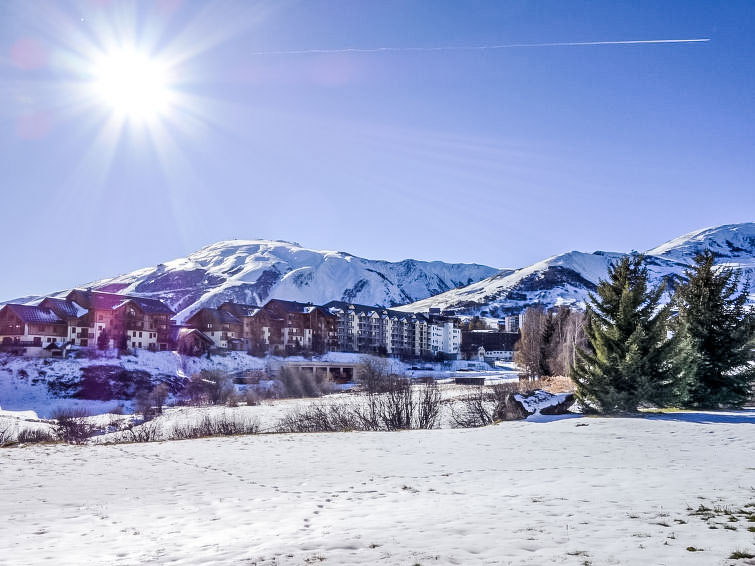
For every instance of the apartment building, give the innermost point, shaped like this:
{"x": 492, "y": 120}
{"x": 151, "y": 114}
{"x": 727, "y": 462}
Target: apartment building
{"x": 363, "y": 328}
{"x": 222, "y": 327}
{"x": 88, "y": 319}
{"x": 31, "y": 330}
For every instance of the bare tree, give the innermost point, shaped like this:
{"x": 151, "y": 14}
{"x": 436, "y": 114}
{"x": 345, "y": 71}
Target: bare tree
{"x": 529, "y": 350}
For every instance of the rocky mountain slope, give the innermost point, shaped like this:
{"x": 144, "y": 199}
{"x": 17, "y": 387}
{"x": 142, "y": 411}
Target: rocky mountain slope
{"x": 254, "y": 271}
{"x": 569, "y": 277}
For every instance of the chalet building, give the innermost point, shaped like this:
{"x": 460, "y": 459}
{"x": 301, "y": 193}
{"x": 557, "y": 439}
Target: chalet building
{"x": 190, "y": 341}
{"x": 121, "y": 321}
{"x": 291, "y": 326}
{"x": 27, "y": 330}
{"x": 96, "y": 319}
{"x": 489, "y": 345}
{"x": 245, "y": 315}
{"x": 142, "y": 323}
{"x": 223, "y": 328}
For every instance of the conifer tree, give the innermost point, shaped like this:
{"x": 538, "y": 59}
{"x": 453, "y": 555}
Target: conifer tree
{"x": 630, "y": 360}
{"x": 720, "y": 332}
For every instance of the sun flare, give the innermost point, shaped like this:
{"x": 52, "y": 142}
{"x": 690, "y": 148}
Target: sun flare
{"x": 132, "y": 84}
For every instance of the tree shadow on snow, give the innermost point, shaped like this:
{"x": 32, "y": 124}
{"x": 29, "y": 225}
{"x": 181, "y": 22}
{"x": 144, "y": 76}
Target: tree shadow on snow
{"x": 745, "y": 416}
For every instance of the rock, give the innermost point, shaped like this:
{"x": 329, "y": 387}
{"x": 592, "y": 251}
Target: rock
{"x": 561, "y": 407}
{"x": 510, "y": 409}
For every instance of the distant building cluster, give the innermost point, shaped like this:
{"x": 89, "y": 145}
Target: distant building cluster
{"x": 287, "y": 327}
{"x": 99, "y": 320}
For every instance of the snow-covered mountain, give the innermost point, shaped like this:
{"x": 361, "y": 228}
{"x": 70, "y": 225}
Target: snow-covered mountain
{"x": 254, "y": 271}
{"x": 569, "y": 277}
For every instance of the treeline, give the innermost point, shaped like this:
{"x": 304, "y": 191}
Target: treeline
{"x": 549, "y": 341}
{"x": 630, "y": 348}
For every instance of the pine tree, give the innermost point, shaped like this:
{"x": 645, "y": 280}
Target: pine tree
{"x": 631, "y": 358}
{"x": 720, "y": 332}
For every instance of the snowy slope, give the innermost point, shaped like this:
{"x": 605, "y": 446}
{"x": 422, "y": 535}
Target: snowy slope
{"x": 254, "y": 271}
{"x": 602, "y": 491}
{"x": 568, "y": 278}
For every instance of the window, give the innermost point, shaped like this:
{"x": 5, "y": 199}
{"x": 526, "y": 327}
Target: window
{"x": 140, "y": 335}
{"x": 133, "y": 344}
{"x": 100, "y": 317}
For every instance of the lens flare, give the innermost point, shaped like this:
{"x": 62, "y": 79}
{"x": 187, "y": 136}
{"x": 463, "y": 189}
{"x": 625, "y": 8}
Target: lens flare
{"x": 133, "y": 85}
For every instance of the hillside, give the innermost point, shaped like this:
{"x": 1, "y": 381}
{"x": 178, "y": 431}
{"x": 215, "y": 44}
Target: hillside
{"x": 568, "y": 278}
{"x": 254, "y": 271}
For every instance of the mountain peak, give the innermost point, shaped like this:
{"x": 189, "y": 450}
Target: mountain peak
{"x": 728, "y": 240}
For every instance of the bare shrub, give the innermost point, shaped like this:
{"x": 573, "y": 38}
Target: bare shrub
{"x": 144, "y": 432}
{"x": 159, "y": 395}
{"x": 72, "y": 425}
{"x": 320, "y": 418}
{"x": 251, "y": 397}
{"x": 298, "y": 383}
{"x": 485, "y": 405}
{"x": 396, "y": 406}
{"x": 216, "y": 425}
{"x": 7, "y": 437}
{"x": 209, "y": 386}
{"x": 143, "y": 404}
{"x": 401, "y": 407}
{"x": 35, "y": 436}
{"x": 195, "y": 392}
{"x": 428, "y": 405}
{"x": 372, "y": 375}
{"x": 475, "y": 409}
{"x": 501, "y": 390}
{"x": 291, "y": 382}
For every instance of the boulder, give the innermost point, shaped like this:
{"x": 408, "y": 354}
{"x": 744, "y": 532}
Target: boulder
{"x": 510, "y": 409}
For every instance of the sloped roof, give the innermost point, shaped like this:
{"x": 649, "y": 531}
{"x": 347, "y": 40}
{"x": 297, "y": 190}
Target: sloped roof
{"x": 64, "y": 308}
{"x": 107, "y": 301}
{"x": 238, "y": 309}
{"x": 367, "y": 310}
{"x": 216, "y": 316}
{"x": 178, "y": 332}
{"x": 290, "y": 306}
{"x": 32, "y": 314}
{"x": 148, "y": 306}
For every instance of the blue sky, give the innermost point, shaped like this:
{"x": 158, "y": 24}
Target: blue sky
{"x": 501, "y": 157}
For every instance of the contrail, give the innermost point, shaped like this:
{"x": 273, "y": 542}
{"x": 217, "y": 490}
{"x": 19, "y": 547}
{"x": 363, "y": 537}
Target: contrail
{"x": 476, "y": 47}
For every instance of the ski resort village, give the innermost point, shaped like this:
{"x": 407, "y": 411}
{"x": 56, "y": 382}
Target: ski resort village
{"x": 377, "y": 283}
{"x": 96, "y": 320}
{"x": 278, "y": 422}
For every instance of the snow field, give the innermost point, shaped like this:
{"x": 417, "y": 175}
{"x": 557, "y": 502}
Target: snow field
{"x": 616, "y": 491}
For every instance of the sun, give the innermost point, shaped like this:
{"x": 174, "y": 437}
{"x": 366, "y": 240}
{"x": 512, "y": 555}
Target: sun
{"x": 132, "y": 84}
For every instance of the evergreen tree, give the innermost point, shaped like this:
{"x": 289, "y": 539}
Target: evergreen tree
{"x": 720, "y": 333}
{"x": 630, "y": 360}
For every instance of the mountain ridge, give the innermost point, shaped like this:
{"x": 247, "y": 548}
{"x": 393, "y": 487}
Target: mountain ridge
{"x": 254, "y": 271}
{"x": 567, "y": 279}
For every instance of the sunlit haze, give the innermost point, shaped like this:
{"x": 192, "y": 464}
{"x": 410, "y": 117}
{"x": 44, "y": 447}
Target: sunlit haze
{"x": 491, "y": 132}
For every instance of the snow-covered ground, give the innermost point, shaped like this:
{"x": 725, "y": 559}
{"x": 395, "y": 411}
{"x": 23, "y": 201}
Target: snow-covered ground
{"x": 575, "y": 491}
{"x": 23, "y": 381}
